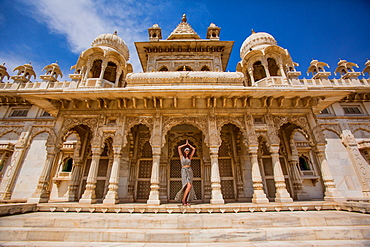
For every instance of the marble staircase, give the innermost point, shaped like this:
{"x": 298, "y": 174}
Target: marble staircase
{"x": 285, "y": 228}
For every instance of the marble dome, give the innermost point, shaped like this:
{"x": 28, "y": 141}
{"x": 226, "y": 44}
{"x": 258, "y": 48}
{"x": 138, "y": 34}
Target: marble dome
{"x": 113, "y": 41}
{"x": 256, "y": 41}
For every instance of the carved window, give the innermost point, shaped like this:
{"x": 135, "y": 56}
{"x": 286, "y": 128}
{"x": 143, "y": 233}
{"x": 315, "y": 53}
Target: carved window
{"x": 45, "y": 114}
{"x": 110, "y": 72}
{"x": 205, "y": 68}
{"x": 273, "y": 68}
{"x": 19, "y": 113}
{"x": 304, "y": 163}
{"x": 352, "y": 110}
{"x": 258, "y": 71}
{"x": 67, "y": 166}
{"x": 163, "y": 68}
{"x": 95, "y": 69}
{"x": 325, "y": 111}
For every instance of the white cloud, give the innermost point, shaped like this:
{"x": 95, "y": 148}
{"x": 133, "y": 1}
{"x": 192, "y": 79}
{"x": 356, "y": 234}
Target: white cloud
{"x": 82, "y": 21}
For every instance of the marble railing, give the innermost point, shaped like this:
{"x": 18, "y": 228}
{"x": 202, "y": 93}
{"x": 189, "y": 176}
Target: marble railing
{"x": 137, "y": 79}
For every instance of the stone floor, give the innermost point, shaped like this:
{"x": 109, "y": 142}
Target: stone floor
{"x": 284, "y": 228}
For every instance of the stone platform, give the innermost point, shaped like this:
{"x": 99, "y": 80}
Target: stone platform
{"x": 283, "y": 228}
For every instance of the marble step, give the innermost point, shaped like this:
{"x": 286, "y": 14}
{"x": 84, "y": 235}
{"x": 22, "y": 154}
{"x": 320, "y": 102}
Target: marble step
{"x": 311, "y": 243}
{"x": 185, "y": 235}
{"x": 185, "y": 221}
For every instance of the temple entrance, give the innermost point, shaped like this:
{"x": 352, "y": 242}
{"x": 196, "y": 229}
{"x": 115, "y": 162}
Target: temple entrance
{"x": 175, "y": 137}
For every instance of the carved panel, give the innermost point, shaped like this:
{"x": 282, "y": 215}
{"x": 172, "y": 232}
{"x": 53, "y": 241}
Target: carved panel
{"x": 199, "y": 122}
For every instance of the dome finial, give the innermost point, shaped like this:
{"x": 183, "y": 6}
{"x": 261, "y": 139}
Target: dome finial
{"x": 115, "y": 33}
{"x": 184, "y": 18}
{"x": 253, "y": 31}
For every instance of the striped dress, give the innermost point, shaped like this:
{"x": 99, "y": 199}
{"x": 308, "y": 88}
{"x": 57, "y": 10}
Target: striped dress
{"x": 186, "y": 177}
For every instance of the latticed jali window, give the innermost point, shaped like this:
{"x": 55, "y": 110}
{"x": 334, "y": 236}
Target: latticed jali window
{"x": 144, "y": 171}
{"x": 175, "y": 177}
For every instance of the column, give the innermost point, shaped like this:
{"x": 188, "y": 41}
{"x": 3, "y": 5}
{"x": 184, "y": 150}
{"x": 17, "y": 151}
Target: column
{"x": 207, "y": 177}
{"x": 297, "y": 179}
{"x": 71, "y": 194}
{"x": 111, "y": 197}
{"x": 118, "y": 75}
{"x": 250, "y": 71}
{"x": 88, "y": 68}
{"x": 259, "y": 195}
{"x": 154, "y": 180}
{"x": 163, "y": 180}
{"x": 282, "y": 194}
{"x": 217, "y": 197}
{"x": 331, "y": 191}
{"x": 42, "y": 191}
{"x": 156, "y": 143}
{"x": 12, "y": 170}
{"x": 265, "y": 65}
{"x": 359, "y": 163}
{"x": 99, "y": 82}
{"x": 89, "y": 194}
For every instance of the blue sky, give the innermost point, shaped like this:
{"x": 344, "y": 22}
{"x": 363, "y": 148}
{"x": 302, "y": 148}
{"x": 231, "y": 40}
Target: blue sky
{"x": 45, "y": 31}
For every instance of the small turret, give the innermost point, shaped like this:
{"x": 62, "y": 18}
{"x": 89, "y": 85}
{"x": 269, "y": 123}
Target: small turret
{"x": 367, "y": 68}
{"x": 345, "y": 69}
{"x": 155, "y": 33}
{"x": 318, "y": 70}
{"x": 213, "y": 32}
{"x": 52, "y": 72}
{"x": 25, "y": 72}
{"x": 3, "y": 72}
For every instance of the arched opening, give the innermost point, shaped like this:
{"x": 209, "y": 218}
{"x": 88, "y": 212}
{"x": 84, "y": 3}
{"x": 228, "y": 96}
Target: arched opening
{"x": 176, "y": 136}
{"x": 110, "y": 72}
{"x": 272, "y": 66}
{"x": 141, "y": 165}
{"x": 67, "y": 166}
{"x": 229, "y": 164}
{"x": 7, "y": 141}
{"x": 163, "y": 68}
{"x": 363, "y": 139}
{"x": 95, "y": 69}
{"x": 205, "y": 68}
{"x": 258, "y": 71}
{"x": 70, "y": 178}
{"x": 184, "y": 68}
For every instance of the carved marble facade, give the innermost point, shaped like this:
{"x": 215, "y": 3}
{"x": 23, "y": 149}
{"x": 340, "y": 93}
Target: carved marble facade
{"x": 110, "y": 136}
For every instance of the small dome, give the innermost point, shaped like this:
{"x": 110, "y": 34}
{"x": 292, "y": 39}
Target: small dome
{"x": 113, "y": 41}
{"x": 256, "y": 41}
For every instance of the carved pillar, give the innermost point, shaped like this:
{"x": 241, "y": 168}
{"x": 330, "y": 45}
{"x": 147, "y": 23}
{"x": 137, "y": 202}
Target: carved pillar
{"x": 111, "y": 197}
{"x": 282, "y": 72}
{"x": 297, "y": 179}
{"x": 217, "y": 197}
{"x": 163, "y": 181}
{"x": 118, "y": 75}
{"x": 282, "y": 194}
{"x": 259, "y": 195}
{"x": 296, "y": 175}
{"x": 88, "y": 68}
{"x": 331, "y": 191}
{"x": 11, "y": 172}
{"x": 99, "y": 82}
{"x": 250, "y": 71}
{"x": 156, "y": 143}
{"x": 76, "y": 173}
{"x": 89, "y": 194}
{"x": 266, "y": 67}
{"x": 214, "y": 144}
{"x": 207, "y": 180}
{"x": 359, "y": 163}
{"x": 42, "y": 191}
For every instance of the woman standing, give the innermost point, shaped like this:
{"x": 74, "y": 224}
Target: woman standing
{"x": 187, "y": 192}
